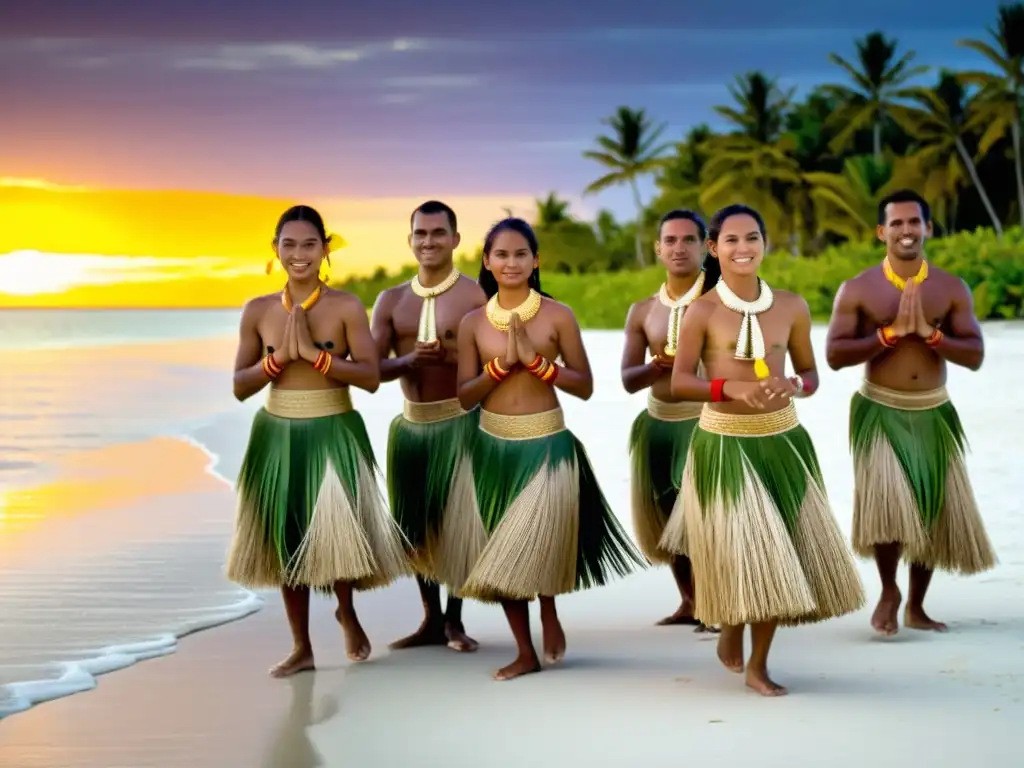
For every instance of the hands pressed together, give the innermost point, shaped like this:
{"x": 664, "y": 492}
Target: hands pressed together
{"x": 520, "y": 348}
{"x": 910, "y": 318}
{"x": 297, "y": 342}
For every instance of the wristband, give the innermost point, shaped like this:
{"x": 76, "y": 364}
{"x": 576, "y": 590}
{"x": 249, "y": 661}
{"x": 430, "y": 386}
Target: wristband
{"x": 718, "y": 391}
{"x": 323, "y": 362}
{"x": 935, "y": 338}
{"x": 802, "y": 390}
{"x": 543, "y": 369}
{"x": 270, "y": 366}
{"x": 887, "y": 336}
{"x": 493, "y": 369}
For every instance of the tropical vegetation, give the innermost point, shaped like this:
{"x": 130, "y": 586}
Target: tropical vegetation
{"x": 816, "y": 167}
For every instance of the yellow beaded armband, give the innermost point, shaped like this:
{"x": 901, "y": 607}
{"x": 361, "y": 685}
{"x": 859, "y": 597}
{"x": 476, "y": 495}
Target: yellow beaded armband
{"x": 323, "y": 362}
{"x": 887, "y": 336}
{"x": 543, "y": 369}
{"x": 493, "y": 369}
{"x": 270, "y": 367}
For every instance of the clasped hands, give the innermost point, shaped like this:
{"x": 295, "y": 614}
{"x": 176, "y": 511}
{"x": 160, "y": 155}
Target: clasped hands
{"x": 520, "y": 349}
{"x": 910, "y": 318}
{"x": 297, "y": 342}
{"x": 757, "y": 394}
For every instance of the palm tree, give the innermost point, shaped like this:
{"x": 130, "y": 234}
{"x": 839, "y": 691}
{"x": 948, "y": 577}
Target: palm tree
{"x": 939, "y": 125}
{"x": 999, "y": 104}
{"x": 877, "y": 84}
{"x": 552, "y": 211}
{"x": 753, "y": 161}
{"x": 632, "y": 151}
{"x": 846, "y": 203}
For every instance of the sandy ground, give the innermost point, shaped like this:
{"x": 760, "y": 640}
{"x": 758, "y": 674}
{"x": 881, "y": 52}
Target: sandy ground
{"x": 629, "y": 693}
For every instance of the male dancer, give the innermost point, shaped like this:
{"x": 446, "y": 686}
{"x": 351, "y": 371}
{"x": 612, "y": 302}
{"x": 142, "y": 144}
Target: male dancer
{"x": 905, "y": 319}
{"x": 429, "y": 463}
{"x": 660, "y": 437}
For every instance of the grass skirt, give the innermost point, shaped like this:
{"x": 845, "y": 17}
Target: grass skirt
{"x": 430, "y": 485}
{"x": 310, "y": 512}
{"x": 911, "y": 483}
{"x": 547, "y": 527}
{"x": 754, "y": 519}
{"x": 658, "y": 445}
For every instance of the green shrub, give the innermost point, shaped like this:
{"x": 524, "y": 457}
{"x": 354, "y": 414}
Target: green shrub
{"x": 993, "y": 270}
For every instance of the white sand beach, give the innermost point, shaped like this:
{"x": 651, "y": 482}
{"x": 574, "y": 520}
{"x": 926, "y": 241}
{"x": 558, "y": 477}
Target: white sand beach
{"x": 629, "y": 693}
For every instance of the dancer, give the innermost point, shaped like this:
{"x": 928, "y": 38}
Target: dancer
{"x": 752, "y": 513}
{"x": 429, "y": 471}
{"x": 549, "y": 529}
{"x": 904, "y": 320}
{"x": 310, "y": 514}
{"x": 660, "y": 436}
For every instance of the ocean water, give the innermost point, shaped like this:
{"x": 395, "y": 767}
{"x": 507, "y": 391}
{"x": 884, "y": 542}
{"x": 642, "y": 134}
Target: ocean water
{"x": 111, "y": 546}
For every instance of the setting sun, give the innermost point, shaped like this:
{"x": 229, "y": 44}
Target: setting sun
{"x": 69, "y": 246}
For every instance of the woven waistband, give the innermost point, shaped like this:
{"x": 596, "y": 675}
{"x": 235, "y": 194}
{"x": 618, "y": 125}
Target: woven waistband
{"x": 904, "y": 401}
{"x": 749, "y": 424}
{"x": 664, "y": 411}
{"x": 428, "y": 413}
{"x": 308, "y": 403}
{"x": 524, "y": 427}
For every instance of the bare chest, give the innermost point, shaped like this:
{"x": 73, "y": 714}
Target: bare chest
{"x": 494, "y": 343}
{"x": 656, "y": 326}
{"x": 448, "y": 313}
{"x": 883, "y": 304}
{"x": 724, "y": 331}
{"x": 326, "y": 328}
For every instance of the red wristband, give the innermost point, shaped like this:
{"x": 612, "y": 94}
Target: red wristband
{"x": 934, "y": 338}
{"x": 718, "y": 391}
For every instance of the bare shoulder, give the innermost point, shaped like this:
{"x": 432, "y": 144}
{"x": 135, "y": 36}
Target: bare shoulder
{"x": 639, "y": 309}
{"x": 470, "y": 319}
{"x": 390, "y": 296}
{"x": 792, "y": 302}
{"x": 254, "y": 308}
{"x": 947, "y": 280}
{"x": 558, "y": 311}
{"x": 704, "y": 306}
{"x": 344, "y": 302}
{"x": 471, "y": 287}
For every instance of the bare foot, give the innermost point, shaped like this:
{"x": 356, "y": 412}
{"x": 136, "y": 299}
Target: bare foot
{"x": 702, "y": 628}
{"x": 730, "y": 648}
{"x": 524, "y": 665}
{"x": 916, "y": 618}
{"x": 885, "y": 619}
{"x": 760, "y": 682}
{"x": 431, "y": 632}
{"x": 357, "y": 644}
{"x": 684, "y": 616}
{"x": 458, "y": 640}
{"x": 299, "y": 660}
{"x": 554, "y": 640}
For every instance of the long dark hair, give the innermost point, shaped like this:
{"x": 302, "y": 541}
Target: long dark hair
{"x": 511, "y": 224}
{"x": 712, "y": 269}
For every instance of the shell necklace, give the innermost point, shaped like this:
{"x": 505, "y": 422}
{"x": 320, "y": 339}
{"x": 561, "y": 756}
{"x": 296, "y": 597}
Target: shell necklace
{"x": 428, "y": 321}
{"x": 313, "y": 298}
{"x": 501, "y": 318}
{"x": 750, "y": 340}
{"x": 899, "y": 282}
{"x": 676, "y": 308}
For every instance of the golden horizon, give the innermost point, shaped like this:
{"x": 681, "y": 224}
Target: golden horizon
{"x": 65, "y": 246}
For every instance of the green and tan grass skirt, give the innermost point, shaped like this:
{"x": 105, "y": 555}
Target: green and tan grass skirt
{"x": 430, "y": 485}
{"x": 310, "y": 512}
{"x": 659, "y": 442}
{"x": 910, "y": 480}
{"x": 753, "y": 517}
{"x": 545, "y": 527}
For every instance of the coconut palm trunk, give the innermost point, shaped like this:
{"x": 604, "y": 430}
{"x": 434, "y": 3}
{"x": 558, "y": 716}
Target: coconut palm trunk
{"x": 972, "y": 171}
{"x": 1018, "y": 165}
{"x": 638, "y": 237}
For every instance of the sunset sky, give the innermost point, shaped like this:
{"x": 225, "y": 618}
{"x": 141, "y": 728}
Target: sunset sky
{"x": 364, "y": 109}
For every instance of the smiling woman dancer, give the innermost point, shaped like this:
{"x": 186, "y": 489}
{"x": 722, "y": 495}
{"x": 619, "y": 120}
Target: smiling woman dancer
{"x": 310, "y": 513}
{"x": 752, "y": 513}
{"x": 547, "y": 527}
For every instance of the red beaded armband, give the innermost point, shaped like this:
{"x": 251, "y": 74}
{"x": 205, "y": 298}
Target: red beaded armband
{"x": 718, "y": 391}
{"x": 323, "y": 362}
{"x": 935, "y": 337}
{"x": 493, "y": 369}
{"x": 887, "y": 336}
{"x": 270, "y": 367}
